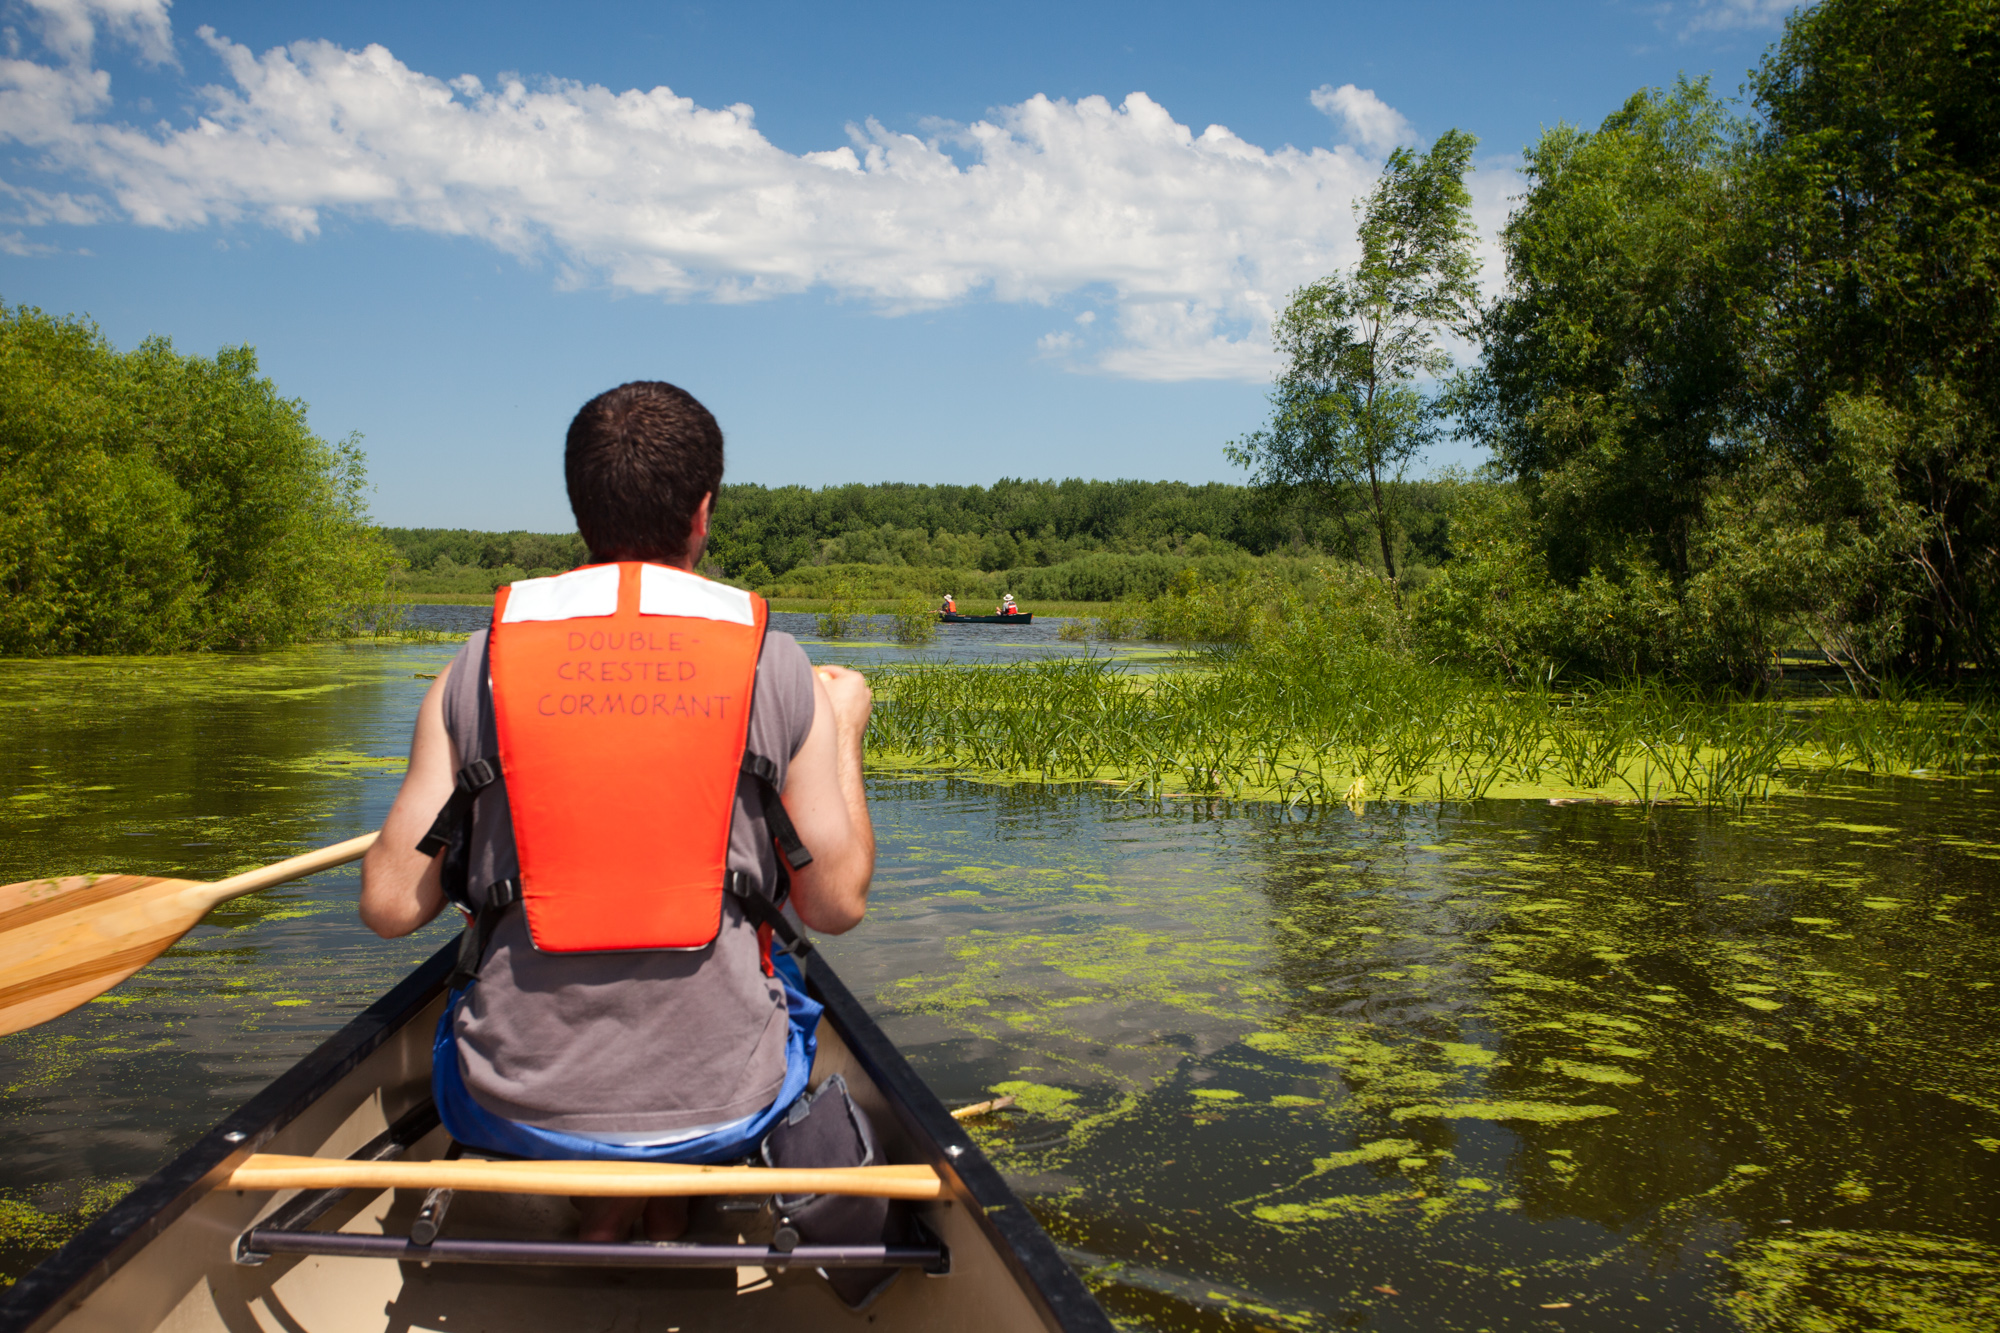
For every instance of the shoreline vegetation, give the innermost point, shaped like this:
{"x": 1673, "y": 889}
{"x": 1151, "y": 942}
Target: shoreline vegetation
{"x": 156, "y": 502}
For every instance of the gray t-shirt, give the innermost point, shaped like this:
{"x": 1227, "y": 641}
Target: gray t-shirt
{"x": 627, "y": 1043}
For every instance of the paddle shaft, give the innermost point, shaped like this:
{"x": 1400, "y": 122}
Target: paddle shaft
{"x": 267, "y": 1171}
{"x": 63, "y": 942}
{"x": 296, "y": 867}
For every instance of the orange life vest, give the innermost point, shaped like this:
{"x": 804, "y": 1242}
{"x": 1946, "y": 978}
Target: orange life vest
{"x": 621, "y": 697}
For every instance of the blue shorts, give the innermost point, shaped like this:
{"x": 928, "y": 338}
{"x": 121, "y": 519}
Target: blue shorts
{"x": 476, "y": 1127}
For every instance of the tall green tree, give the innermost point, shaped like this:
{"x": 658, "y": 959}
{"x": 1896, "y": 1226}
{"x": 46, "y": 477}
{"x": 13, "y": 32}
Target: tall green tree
{"x": 1874, "y": 195}
{"x": 1348, "y": 414}
{"x": 1612, "y": 362}
{"x": 151, "y": 501}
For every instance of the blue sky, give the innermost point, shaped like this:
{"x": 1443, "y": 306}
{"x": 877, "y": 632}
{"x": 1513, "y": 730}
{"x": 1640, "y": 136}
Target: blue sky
{"x": 883, "y": 242}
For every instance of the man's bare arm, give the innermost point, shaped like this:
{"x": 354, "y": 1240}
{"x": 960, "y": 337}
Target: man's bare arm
{"x": 400, "y": 887}
{"x": 825, "y": 798}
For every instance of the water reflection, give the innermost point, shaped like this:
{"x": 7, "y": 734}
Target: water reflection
{"x": 1470, "y": 1067}
{"x": 1496, "y": 1065}
{"x": 189, "y": 766}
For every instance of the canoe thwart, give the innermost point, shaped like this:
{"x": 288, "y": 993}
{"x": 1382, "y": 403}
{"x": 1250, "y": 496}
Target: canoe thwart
{"x": 266, "y": 1171}
{"x": 398, "y": 1138}
{"x": 265, "y": 1242}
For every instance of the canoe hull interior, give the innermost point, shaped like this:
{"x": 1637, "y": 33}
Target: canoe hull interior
{"x": 164, "y": 1259}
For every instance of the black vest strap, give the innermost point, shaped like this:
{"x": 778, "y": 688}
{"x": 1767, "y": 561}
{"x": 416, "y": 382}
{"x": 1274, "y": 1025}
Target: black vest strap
{"x": 475, "y": 939}
{"x": 776, "y": 817}
{"x": 474, "y": 778}
{"x": 764, "y": 912}
{"x": 451, "y": 831}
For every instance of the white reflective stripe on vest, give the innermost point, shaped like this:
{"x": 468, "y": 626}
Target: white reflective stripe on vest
{"x": 593, "y": 591}
{"x": 581, "y": 592}
{"x": 675, "y": 592}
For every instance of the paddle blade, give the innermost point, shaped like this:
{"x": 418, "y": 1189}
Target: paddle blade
{"x": 66, "y": 941}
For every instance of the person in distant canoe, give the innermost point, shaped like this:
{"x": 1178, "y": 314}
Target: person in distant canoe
{"x": 950, "y": 606}
{"x": 1007, "y": 607}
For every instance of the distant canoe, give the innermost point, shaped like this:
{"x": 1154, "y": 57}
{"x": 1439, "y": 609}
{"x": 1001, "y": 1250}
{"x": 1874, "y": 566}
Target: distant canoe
{"x": 952, "y": 618}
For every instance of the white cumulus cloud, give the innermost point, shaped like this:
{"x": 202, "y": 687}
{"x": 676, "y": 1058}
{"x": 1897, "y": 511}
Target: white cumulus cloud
{"x": 1368, "y": 120}
{"x": 1722, "y": 15}
{"x": 69, "y": 28}
{"x": 1187, "y": 242}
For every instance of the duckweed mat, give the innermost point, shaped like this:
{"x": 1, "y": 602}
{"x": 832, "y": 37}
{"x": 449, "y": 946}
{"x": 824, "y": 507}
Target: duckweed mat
{"x": 1491, "y": 1065}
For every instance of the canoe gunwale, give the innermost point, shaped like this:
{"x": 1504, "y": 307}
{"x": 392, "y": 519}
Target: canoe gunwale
{"x": 1066, "y": 1304}
{"x": 949, "y": 618}
{"x": 71, "y": 1274}
{"x": 52, "y": 1290}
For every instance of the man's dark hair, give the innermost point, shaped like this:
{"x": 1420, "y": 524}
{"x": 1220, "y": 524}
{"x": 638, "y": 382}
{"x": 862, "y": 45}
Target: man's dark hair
{"x": 638, "y": 461}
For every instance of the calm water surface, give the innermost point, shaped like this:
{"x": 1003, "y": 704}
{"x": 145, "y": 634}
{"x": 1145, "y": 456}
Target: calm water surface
{"x": 1483, "y": 1066}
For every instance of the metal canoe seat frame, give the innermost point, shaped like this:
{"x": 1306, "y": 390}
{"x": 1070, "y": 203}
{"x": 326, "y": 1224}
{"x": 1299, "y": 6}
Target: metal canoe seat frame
{"x": 288, "y": 1231}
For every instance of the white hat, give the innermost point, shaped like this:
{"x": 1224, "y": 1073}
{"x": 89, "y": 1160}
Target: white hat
{"x": 1008, "y": 598}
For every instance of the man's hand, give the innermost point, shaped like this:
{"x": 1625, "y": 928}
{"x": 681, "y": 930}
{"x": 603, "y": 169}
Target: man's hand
{"x": 852, "y": 702}
{"x": 826, "y": 800}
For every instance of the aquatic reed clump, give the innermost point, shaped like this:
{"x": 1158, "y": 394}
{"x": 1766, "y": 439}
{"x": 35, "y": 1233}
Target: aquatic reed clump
{"x": 916, "y": 621}
{"x": 842, "y": 617}
{"x": 1312, "y": 720}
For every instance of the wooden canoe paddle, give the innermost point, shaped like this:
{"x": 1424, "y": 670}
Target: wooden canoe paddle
{"x": 66, "y": 941}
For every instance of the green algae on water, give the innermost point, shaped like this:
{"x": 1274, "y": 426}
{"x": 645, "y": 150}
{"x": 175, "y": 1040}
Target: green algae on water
{"x": 40, "y": 1221}
{"x": 1038, "y": 1098}
{"x": 1540, "y": 1113}
{"x": 1829, "y": 1281}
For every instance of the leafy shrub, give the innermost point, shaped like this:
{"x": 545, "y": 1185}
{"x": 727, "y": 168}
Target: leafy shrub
{"x": 151, "y": 501}
{"x": 839, "y": 620}
{"x": 1125, "y": 620}
{"x": 1346, "y": 602}
{"x": 916, "y": 621}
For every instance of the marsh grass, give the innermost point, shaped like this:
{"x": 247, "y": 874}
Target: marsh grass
{"x": 1312, "y": 724}
{"x": 388, "y": 622}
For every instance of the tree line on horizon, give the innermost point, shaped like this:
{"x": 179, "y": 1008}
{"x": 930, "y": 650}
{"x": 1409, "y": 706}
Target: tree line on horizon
{"x": 762, "y": 534}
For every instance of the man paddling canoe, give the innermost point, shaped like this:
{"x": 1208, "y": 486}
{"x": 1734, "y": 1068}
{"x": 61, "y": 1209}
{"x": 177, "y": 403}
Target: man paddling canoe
{"x": 608, "y": 777}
